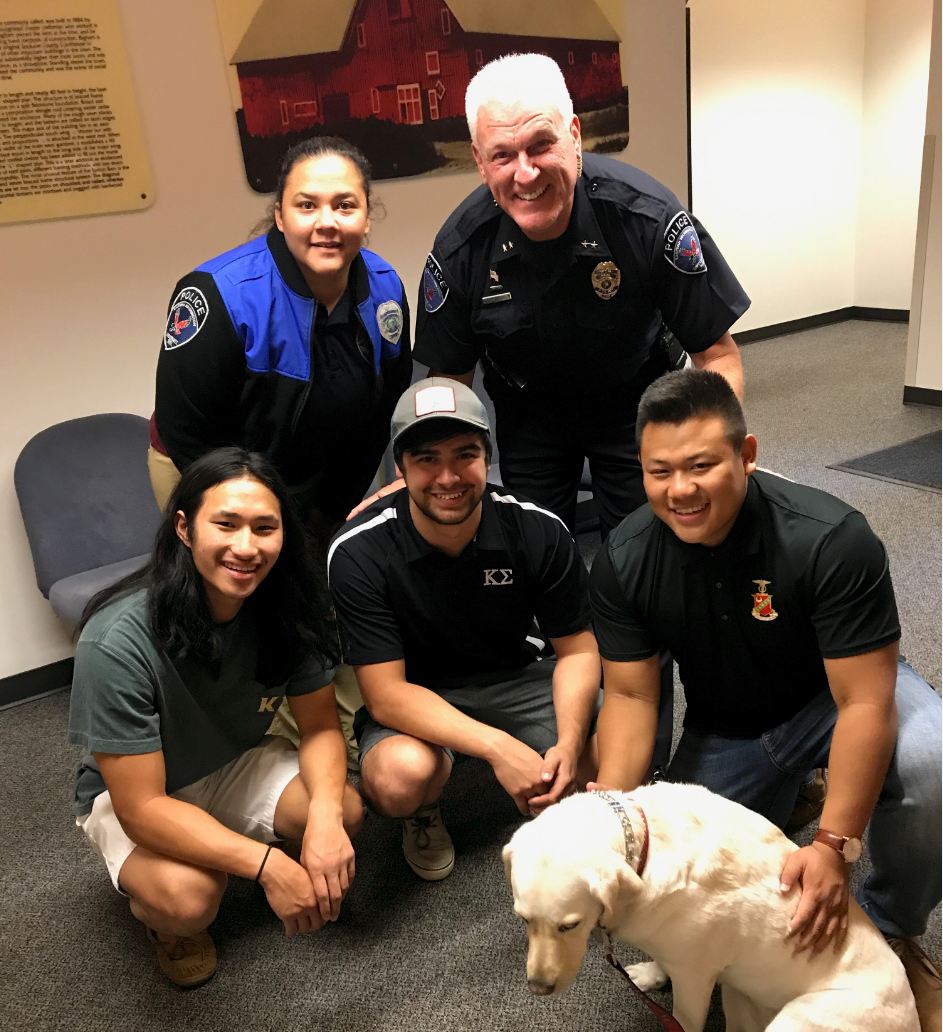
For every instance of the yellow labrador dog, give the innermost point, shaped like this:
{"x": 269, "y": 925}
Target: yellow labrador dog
{"x": 693, "y": 880}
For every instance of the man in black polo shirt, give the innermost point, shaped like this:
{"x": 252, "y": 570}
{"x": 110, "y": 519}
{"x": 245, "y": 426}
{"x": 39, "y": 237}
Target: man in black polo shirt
{"x": 776, "y": 602}
{"x": 437, "y": 589}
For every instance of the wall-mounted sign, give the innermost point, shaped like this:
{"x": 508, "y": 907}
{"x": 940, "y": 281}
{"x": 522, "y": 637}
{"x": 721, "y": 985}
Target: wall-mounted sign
{"x": 70, "y": 135}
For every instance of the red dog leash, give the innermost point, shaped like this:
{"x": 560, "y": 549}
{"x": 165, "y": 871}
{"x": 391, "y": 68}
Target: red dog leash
{"x": 640, "y": 852}
{"x": 668, "y": 1021}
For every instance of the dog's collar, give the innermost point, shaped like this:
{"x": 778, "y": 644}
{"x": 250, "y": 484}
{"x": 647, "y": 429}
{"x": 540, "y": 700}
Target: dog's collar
{"x": 635, "y": 856}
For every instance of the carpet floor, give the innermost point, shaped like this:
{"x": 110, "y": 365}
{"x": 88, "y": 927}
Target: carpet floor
{"x": 407, "y": 956}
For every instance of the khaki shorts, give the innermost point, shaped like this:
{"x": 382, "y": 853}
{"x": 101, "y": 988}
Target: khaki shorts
{"x": 242, "y": 796}
{"x": 522, "y": 706}
{"x": 164, "y": 476}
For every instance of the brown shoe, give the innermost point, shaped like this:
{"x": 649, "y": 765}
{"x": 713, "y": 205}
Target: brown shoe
{"x": 188, "y": 961}
{"x": 809, "y": 802}
{"x": 924, "y": 978}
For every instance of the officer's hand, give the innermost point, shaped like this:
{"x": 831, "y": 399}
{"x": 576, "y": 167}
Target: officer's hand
{"x": 821, "y": 916}
{"x": 376, "y": 496}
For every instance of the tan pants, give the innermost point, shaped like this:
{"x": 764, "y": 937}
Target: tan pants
{"x": 347, "y": 696}
{"x": 164, "y": 476}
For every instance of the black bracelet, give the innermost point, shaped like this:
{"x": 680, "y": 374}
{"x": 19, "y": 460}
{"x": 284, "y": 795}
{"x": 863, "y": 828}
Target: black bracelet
{"x": 262, "y": 865}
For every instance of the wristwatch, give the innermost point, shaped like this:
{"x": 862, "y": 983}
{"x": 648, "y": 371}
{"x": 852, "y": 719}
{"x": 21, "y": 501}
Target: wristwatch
{"x": 847, "y": 845}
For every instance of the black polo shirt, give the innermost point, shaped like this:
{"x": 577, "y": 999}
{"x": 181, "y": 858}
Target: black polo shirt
{"x": 534, "y": 311}
{"x": 801, "y": 576}
{"x": 456, "y": 620}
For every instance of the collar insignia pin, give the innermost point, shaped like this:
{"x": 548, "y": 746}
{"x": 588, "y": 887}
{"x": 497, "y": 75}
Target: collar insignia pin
{"x": 763, "y": 603}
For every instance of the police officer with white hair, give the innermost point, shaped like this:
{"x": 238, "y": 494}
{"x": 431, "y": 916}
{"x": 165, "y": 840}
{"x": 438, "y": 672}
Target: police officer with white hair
{"x": 562, "y": 275}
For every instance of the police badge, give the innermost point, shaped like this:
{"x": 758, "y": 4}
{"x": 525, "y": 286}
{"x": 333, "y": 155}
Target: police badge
{"x": 390, "y": 321}
{"x": 606, "y": 280}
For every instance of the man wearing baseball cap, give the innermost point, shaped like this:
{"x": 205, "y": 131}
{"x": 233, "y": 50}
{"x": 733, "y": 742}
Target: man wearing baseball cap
{"x": 447, "y": 595}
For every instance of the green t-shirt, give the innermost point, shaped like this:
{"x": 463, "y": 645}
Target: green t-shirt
{"x": 129, "y": 698}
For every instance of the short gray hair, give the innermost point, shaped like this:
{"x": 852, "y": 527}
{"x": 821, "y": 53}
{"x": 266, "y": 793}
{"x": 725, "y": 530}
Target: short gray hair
{"x": 533, "y": 79}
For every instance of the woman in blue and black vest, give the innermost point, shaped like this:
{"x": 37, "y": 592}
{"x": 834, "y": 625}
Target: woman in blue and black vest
{"x": 295, "y": 345}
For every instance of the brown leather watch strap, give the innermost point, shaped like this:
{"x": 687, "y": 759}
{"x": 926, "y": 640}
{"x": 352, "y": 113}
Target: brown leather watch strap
{"x": 847, "y": 845}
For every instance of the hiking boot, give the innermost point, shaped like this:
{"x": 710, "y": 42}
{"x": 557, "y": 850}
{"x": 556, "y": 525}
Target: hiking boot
{"x": 426, "y": 844}
{"x": 924, "y": 978}
{"x": 188, "y": 960}
{"x": 809, "y": 802}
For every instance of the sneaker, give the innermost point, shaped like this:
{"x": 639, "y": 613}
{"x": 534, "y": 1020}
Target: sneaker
{"x": 809, "y": 802}
{"x": 924, "y": 978}
{"x": 188, "y": 961}
{"x": 427, "y": 846}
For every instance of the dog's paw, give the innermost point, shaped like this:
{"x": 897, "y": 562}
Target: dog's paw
{"x": 647, "y": 976}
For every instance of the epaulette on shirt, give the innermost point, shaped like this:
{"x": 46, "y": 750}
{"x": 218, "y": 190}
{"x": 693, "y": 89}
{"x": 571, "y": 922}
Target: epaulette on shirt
{"x": 475, "y": 211}
{"x": 616, "y": 182}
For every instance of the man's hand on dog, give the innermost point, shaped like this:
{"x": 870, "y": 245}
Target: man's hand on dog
{"x": 821, "y": 916}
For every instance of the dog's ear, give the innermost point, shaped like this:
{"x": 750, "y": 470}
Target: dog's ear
{"x": 506, "y": 855}
{"x": 613, "y": 887}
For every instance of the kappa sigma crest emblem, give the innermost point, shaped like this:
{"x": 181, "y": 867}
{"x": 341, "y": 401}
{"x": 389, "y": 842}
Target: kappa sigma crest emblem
{"x": 763, "y": 602}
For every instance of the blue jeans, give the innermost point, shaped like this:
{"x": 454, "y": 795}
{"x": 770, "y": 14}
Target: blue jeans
{"x": 904, "y": 834}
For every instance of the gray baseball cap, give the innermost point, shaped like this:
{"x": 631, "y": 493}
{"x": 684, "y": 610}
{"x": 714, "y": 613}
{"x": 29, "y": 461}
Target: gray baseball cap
{"x": 438, "y": 397}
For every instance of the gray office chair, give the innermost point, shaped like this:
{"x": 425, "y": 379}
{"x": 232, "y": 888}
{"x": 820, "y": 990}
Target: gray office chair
{"x": 87, "y": 506}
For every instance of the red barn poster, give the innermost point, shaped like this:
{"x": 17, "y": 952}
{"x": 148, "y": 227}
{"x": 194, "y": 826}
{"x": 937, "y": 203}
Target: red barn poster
{"x": 390, "y": 75}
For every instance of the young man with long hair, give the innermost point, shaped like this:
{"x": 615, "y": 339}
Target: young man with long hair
{"x": 179, "y": 670}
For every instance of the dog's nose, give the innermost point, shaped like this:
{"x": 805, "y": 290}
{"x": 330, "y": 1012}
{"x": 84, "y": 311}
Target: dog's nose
{"x": 539, "y": 988}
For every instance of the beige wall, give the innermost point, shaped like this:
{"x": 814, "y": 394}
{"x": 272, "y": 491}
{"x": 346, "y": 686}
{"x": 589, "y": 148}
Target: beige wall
{"x": 894, "y": 104}
{"x": 923, "y": 340}
{"x": 653, "y": 46}
{"x": 85, "y": 299}
{"x": 806, "y": 138}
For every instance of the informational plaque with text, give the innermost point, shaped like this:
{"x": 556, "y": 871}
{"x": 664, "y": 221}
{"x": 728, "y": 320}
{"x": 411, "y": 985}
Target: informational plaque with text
{"x": 70, "y": 134}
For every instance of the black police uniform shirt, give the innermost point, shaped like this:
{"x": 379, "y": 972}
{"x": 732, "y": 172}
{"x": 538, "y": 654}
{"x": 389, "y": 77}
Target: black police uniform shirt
{"x": 579, "y": 317}
{"x": 456, "y": 620}
{"x": 800, "y": 576}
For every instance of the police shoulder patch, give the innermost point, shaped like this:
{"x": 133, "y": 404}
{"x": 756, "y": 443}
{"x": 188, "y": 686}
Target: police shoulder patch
{"x": 434, "y": 287}
{"x": 682, "y": 248}
{"x": 188, "y": 312}
{"x": 390, "y": 321}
